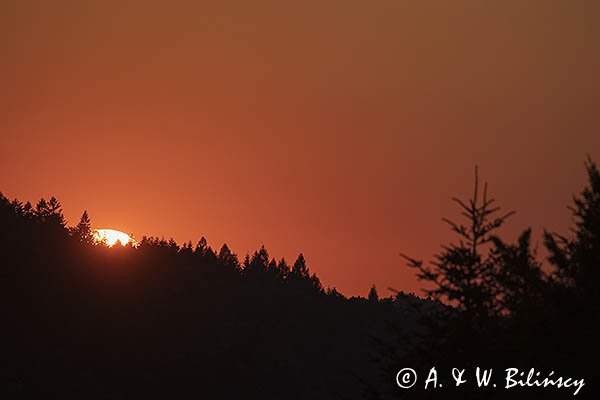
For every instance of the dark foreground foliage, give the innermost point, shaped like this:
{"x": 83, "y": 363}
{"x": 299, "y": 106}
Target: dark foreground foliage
{"x": 509, "y": 310}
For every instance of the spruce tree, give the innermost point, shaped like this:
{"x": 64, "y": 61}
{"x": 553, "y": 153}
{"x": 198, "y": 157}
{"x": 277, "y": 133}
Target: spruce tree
{"x": 299, "y": 269}
{"x": 577, "y": 258}
{"x": 228, "y": 259}
{"x": 83, "y": 231}
{"x": 463, "y": 273}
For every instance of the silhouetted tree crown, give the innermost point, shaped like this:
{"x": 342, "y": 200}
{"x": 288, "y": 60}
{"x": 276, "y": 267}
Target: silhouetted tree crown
{"x": 373, "y": 295}
{"x": 227, "y": 258}
{"x": 50, "y": 212}
{"x": 83, "y": 230}
{"x": 258, "y": 263}
{"x": 462, "y": 273}
{"x": 577, "y": 257}
{"x": 299, "y": 269}
{"x": 517, "y": 280}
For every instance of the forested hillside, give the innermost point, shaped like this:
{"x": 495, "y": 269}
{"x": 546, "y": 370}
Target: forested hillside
{"x": 157, "y": 319}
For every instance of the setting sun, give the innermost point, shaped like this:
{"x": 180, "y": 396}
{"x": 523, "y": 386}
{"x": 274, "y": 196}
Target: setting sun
{"x": 111, "y": 237}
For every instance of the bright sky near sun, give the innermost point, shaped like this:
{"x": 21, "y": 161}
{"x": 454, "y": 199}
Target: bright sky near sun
{"x": 111, "y": 237}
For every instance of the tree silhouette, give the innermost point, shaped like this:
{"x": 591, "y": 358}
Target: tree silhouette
{"x": 283, "y": 270}
{"x": 299, "y": 268}
{"x": 201, "y": 247}
{"x": 518, "y": 279}
{"x": 258, "y": 262}
{"x": 50, "y": 212}
{"x": 464, "y": 273}
{"x": 373, "y": 295}
{"x": 577, "y": 258}
{"x": 186, "y": 249}
{"x": 83, "y": 230}
{"x": 204, "y": 252}
{"x": 227, "y": 258}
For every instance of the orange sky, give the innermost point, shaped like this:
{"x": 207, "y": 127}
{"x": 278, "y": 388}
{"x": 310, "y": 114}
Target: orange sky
{"x": 339, "y": 129}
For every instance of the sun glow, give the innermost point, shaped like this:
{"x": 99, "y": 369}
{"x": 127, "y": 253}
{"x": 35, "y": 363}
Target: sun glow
{"x": 111, "y": 237}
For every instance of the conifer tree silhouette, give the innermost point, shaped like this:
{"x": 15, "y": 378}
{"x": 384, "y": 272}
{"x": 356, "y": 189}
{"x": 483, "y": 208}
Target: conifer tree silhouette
{"x": 259, "y": 261}
{"x": 283, "y": 270}
{"x": 518, "y": 280}
{"x": 299, "y": 269}
{"x": 50, "y": 211}
{"x": 463, "y": 273}
{"x": 373, "y": 295}
{"x": 227, "y": 258}
{"x": 83, "y": 230}
{"x": 201, "y": 247}
{"x": 577, "y": 258}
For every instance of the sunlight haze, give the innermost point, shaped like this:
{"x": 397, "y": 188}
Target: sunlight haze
{"x": 337, "y": 129}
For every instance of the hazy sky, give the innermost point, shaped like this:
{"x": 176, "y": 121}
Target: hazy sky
{"x": 339, "y": 129}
